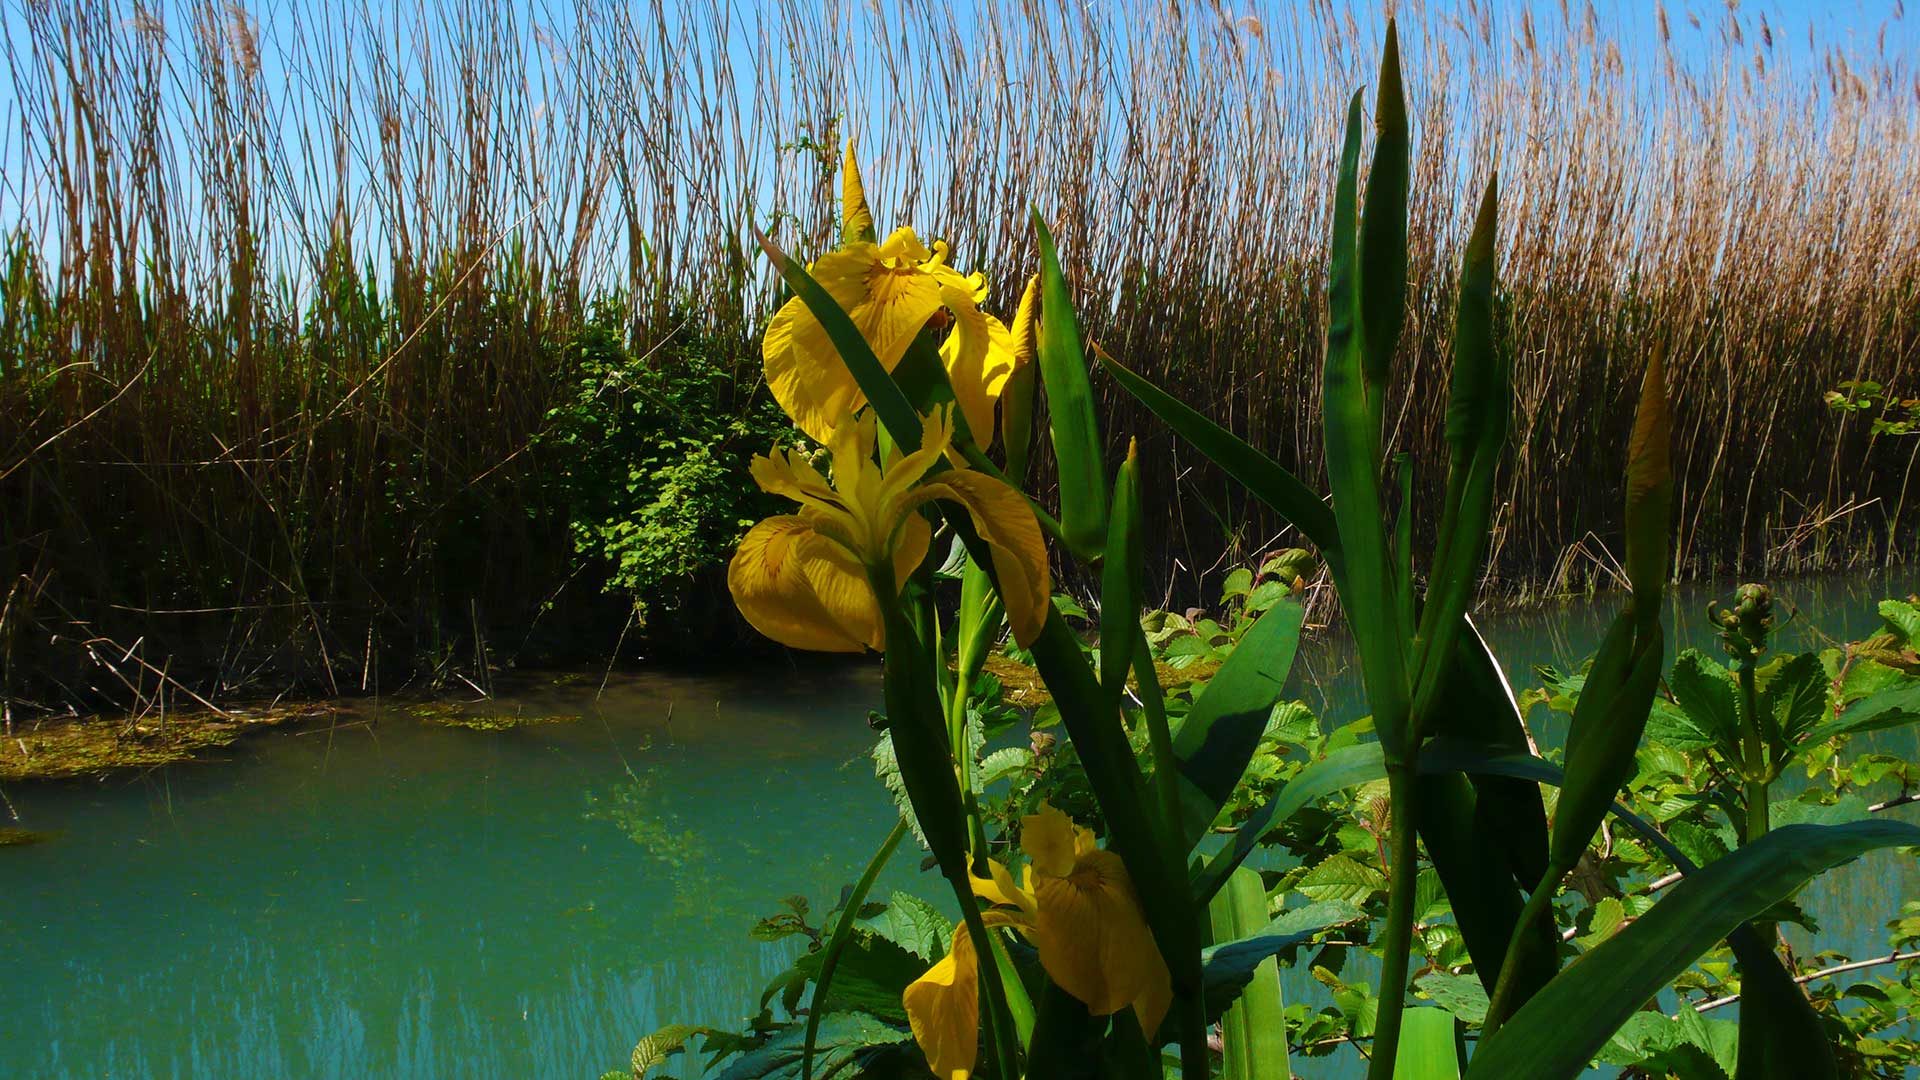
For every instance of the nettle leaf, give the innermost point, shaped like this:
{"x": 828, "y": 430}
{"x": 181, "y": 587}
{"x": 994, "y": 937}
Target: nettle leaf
{"x": 1865, "y": 677}
{"x": 1318, "y": 915}
{"x": 1004, "y": 763}
{"x": 1796, "y": 697}
{"x": 1707, "y": 693}
{"x": 845, "y": 1039}
{"x": 1429, "y": 896}
{"x": 1697, "y": 842}
{"x": 1341, "y": 878}
{"x": 1688, "y": 1048}
{"x": 1797, "y": 812}
{"x": 916, "y": 926}
{"x": 1669, "y": 725}
{"x": 1903, "y": 619}
{"x": 1893, "y": 706}
{"x": 886, "y": 766}
{"x": 872, "y": 974}
{"x": 654, "y": 1050}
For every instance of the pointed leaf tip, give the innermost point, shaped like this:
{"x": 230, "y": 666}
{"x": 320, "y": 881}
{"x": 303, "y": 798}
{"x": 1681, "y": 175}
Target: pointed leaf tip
{"x": 1649, "y": 485}
{"x": 856, "y": 218}
{"x": 772, "y": 249}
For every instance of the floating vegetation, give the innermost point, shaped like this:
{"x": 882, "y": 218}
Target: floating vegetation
{"x": 11, "y": 836}
{"x": 97, "y": 746}
{"x": 454, "y": 714}
{"x": 1021, "y": 686}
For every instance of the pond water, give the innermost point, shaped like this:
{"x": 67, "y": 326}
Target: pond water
{"x": 394, "y": 899}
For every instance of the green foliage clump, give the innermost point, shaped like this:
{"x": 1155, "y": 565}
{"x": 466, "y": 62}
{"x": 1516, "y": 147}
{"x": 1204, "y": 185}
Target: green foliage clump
{"x": 654, "y": 448}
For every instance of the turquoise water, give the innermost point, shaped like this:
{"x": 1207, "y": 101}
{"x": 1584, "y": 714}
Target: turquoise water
{"x": 382, "y": 898}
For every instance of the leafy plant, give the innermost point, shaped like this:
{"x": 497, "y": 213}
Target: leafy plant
{"x": 654, "y": 450}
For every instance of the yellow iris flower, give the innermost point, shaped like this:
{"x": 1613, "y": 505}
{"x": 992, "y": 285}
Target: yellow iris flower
{"x": 891, "y": 289}
{"x": 801, "y": 579}
{"x": 1079, "y": 910}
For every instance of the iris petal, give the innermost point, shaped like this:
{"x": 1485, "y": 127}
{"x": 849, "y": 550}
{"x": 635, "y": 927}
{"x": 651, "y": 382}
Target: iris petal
{"x": 978, "y": 356}
{"x": 1007, "y": 524}
{"x": 775, "y": 588}
{"x": 943, "y": 1007}
{"x": 1093, "y": 938}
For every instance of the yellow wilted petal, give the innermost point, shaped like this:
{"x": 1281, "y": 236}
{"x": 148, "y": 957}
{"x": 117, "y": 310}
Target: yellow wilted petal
{"x": 910, "y": 547}
{"x": 784, "y": 472}
{"x": 1007, "y": 524}
{"x": 1016, "y": 397}
{"x": 1093, "y": 939}
{"x": 1047, "y": 837}
{"x": 943, "y": 1007}
{"x": 856, "y": 219}
{"x": 1026, "y": 324}
{"x": 1152, "y": 1004}
{"x": 775, "y": 585}
{"x": 1000, "y": 889}
{"x": 978, "y": 356}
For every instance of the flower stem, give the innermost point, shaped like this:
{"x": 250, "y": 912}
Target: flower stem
{"x": 1195, "y": 1057}
{"x": 1756, "y": 766}
{"x": 1398, "y": 942}
{"x": 926, "y": 761}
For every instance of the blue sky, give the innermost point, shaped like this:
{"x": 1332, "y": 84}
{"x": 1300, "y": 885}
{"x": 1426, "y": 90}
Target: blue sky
{"x": 1866, "y": 28}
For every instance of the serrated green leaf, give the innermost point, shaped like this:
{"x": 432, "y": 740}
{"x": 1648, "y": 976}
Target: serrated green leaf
{"x": 1706, "y": 691}
{"x": 1795, "y": 700}
{"x": 1903, "y": 619}
{"x": 1892, "y": 707}
{"x": 654, "y": 1050}
{"x": 1003, "y": 763}
{"x": 1461, "y": 995}
{"x": 886, "y": 767}
{"x": 915, "y": 925}
{"x": 1608, "y": 916}
{"x": 870, "y": 973}
{"x": 1338, "y": 877}
{"x": 844, "y": 1038}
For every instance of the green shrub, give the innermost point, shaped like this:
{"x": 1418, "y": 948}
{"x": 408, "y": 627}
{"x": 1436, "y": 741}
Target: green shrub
{"x": 652, "y": 450}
